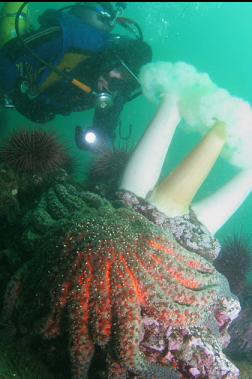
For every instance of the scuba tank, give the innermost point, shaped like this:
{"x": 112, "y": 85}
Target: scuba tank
{"x": 7, "y": 21}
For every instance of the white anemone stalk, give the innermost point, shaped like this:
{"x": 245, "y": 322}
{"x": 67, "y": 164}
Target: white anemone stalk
{"x": 145, "y": 165}
{"x": 217, "y": 209}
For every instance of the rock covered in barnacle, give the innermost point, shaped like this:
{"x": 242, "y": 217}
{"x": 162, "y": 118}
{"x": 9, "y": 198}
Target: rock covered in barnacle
{"x": 196, "y": 352}
{"x": 188, "y": 231}
{"x": 193, "y": 235}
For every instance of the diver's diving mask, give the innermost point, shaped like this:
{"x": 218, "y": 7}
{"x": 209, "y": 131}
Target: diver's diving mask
{"x": 108, "y": 17}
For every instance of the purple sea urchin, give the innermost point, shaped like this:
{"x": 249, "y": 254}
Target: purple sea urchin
{"x": 36, "y": 152}
{"x": 109, "y": 163}
{"x": 235, "y": 262}
{"x": 106, "y": 170}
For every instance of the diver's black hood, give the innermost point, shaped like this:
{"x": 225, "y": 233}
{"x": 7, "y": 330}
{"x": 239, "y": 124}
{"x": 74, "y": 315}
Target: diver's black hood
{"x": 134, "y": 53}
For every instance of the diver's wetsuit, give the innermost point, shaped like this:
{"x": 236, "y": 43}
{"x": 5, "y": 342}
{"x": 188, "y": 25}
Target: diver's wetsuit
{"x": 66, "y": 34}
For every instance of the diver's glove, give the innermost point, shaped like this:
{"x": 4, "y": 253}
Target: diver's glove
{"x": 32, "y": 109}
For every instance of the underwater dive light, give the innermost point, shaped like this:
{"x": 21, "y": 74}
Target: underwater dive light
{"x": 91, "y": 139}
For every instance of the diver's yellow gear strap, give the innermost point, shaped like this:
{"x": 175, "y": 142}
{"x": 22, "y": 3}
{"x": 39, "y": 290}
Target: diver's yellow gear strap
{"x": 81, "y": 86}
{"x": 68, "y": 63}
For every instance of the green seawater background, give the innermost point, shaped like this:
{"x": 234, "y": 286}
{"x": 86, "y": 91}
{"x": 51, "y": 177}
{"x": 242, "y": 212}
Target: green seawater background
{"x": 215, "y": 38}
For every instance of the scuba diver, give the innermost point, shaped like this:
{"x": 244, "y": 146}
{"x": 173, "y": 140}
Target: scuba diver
{"x": 72, "y": 63}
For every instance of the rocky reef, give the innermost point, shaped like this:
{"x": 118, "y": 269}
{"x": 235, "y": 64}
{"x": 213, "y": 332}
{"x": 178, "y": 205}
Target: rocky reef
{"x": 104, "y": 280}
